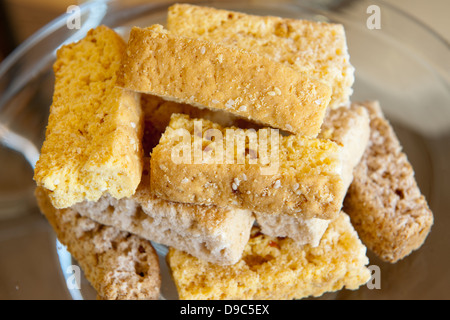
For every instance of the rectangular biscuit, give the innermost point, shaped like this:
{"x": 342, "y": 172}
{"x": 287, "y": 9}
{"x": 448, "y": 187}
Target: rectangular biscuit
{"x": 157, "y": 117}
{"x": 317, "y": 48}
{"x": 277, "y": 268}
{"x": 258, "y": 170}
{"x": 384, "y": 202}
{"x": 157, "y": 113}
{"x": 348, "y": 127}
{"x": 118, "y": 265}
{"x": 93, "y": 138}
{"x": 217, "y": 235}
{"x": 302, "y": 231}
{"x": 217, "y": 77}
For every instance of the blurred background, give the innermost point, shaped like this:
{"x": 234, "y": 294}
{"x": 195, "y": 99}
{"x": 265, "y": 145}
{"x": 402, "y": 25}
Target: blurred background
{"x": 21, "y": 18}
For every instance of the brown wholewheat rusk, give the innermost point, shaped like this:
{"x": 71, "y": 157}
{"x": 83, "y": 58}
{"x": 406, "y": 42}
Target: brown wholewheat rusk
{"x": 384, "y": 202}
{"x": 118, "y": 265}
{"x": 318, "y": 48}
{"x": 277, "y": 268}
{"x": 209, "y": 75}
{"x": 304, "y": 176}
{"x": 93, "y": 138}
{"x": 216, "y": 235}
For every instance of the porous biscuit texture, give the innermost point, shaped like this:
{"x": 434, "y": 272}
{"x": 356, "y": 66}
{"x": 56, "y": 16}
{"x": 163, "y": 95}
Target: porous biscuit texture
{"x": 276, "y": 268}
{"x": 213, "y": 234}
{"x": 209, "y": 75}
{"x": 303, "y": 177}
{"x": 118, "y": 265}
{"x": 349, "y": 127}
{"x": 384, "y": 201}
{"x": 157, "y": 113}
{"x": 317, "y": 48}
{"x": 93, "y": 138}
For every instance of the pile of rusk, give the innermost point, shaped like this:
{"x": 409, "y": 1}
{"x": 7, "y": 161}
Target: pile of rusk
{"x": 108, "y": 183}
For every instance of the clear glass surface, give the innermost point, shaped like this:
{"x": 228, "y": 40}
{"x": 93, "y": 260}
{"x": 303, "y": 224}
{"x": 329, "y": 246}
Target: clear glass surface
{"x": 404, "y": 65}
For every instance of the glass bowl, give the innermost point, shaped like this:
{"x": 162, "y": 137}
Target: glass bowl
{"x": 403, "y": 64}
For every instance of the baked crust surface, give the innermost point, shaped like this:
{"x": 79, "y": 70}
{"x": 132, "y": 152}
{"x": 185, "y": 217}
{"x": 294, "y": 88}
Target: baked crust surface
{"x": 384, "y": 201}
{"x": 277, "y": 269}
{"x": 209, "y": 75}
{"x": 304, "y": 178}
{"x": 119, "y": 266}
{"x": 93, "y": 138}
{"x": 316, "y": 48}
